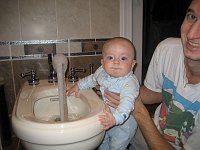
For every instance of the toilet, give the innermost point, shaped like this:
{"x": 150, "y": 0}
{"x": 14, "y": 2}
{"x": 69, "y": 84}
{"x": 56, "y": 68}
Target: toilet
{"x": 36, "y": 121}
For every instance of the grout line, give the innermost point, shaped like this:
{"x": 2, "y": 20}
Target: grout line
{"x": 56, "y": 19}
{"x": 13, "y": 79}
{"x": 69, "y": 50}
{"x": 20, "y": 26}
{"x": 90, "y": 16}
{"x": 12, "y": 71}
{"x": 10, "y": 51}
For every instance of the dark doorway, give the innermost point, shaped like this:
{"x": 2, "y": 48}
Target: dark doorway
{"x": 162, "y": 19}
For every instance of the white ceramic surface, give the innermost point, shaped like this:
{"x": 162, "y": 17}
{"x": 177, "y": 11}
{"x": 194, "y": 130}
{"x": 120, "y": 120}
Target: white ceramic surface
{"x": 35, "y": 119}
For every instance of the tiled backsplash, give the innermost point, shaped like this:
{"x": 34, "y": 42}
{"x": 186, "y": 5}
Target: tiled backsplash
{"x": 40, "y": 48}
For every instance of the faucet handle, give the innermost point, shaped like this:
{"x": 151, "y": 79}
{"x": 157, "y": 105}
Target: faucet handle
{"x": 91, "y": 68}
{"x": 72, "y": 76}
{"x": 34, "y": 80}
{"x": 80, "y": 70}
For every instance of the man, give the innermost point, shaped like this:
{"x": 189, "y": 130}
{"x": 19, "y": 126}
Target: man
{"x": 173, "y": 79}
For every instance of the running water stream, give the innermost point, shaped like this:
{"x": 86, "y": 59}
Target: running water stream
{"x": 60, "y": 63}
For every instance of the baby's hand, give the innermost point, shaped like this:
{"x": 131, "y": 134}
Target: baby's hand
{"x": 73, "y": 89}
{"x": 107, "y": 120}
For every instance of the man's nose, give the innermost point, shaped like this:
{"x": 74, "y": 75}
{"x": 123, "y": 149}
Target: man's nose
{"x": 194, "y": 31}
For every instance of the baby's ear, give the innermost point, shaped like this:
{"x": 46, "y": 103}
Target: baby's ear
{"x": 133, "y": 63}
{"x": 102, "y": 61}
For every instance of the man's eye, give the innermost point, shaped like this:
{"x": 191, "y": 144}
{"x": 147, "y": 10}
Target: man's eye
{"x": 191, "y": 17}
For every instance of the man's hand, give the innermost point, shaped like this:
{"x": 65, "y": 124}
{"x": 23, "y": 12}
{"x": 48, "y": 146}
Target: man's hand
{"x": 113, "y": 98}
{"x": 139, "y": 108}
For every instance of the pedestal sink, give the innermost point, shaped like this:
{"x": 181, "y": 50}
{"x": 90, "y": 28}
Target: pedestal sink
{"x": 36, "y": 120}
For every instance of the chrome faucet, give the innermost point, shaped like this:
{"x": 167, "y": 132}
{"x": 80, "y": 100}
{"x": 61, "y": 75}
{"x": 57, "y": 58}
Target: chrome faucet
{"x": 52, "y": 73}
{"x": 34, "y": 80}
{"x": 73, "y": 77}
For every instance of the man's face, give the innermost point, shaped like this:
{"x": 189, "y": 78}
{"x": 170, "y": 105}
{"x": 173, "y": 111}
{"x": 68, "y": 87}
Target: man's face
{"x": 190, "y": 32}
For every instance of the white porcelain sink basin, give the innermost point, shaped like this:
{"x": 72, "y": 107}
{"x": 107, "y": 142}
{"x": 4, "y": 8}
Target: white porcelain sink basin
{"x": 36, "y": 119}
{"x": 47, "y": 108}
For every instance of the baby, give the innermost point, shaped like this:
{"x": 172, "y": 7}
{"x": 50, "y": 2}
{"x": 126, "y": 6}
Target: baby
{"x": 115, "y": 75}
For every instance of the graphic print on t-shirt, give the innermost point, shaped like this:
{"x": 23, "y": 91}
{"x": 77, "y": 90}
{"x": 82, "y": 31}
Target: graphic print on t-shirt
{"x": 176, "y": 118}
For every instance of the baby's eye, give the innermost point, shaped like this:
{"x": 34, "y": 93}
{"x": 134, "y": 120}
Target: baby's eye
{"x": 191, "y": 17}
{"x": 123, "y": 58}
{"x": 109, "y": 57}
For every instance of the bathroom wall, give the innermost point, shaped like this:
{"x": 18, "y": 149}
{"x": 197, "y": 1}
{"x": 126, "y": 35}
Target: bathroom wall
{"x": 46, "y": 20}
{"x": 58, "y": 19}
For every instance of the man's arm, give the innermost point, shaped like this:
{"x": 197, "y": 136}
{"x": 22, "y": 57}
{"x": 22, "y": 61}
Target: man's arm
{"x": 152, "y": 136}
{"x": 150, "y": 132}
{"x": 149, "y": 97}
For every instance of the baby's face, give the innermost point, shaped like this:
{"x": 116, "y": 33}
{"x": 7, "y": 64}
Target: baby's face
{"x": 118, "y": 58}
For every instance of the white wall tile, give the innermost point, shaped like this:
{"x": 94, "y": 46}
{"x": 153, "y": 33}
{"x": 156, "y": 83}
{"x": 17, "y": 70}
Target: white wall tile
{"x": 9, "y": 24}
{"x": 105, "y": 18}
{"x": 38, "y": 19}
{"x": 73, "y": 18}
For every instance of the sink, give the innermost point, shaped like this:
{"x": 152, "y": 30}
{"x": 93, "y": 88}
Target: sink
{"x": 36, "y": 119}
